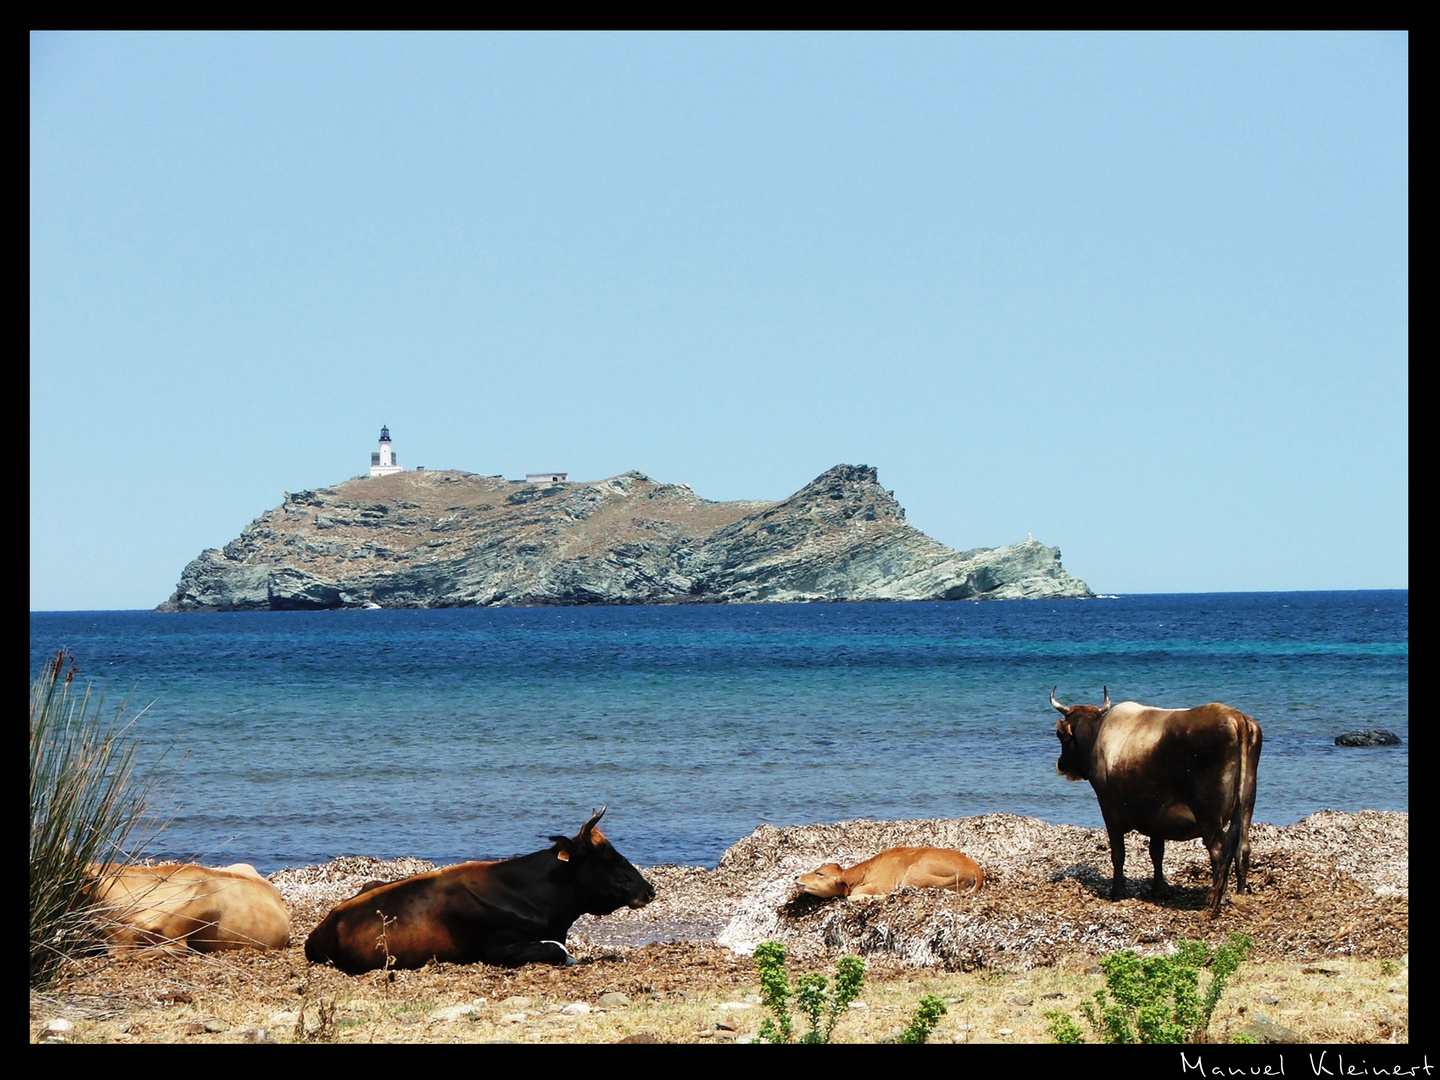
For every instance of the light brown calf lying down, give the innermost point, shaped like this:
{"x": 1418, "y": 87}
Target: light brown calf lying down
{"x": 918, "y": 867}
{"x": 182, "y": 905}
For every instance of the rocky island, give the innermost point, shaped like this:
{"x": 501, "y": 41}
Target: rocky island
{"x": 456, "y": 539}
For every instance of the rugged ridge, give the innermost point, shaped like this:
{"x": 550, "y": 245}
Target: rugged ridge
{"x": 456, "y": 539}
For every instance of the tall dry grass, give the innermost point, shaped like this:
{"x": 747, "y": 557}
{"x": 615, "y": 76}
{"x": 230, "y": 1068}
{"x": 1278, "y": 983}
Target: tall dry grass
{"x": 88, "y": 808}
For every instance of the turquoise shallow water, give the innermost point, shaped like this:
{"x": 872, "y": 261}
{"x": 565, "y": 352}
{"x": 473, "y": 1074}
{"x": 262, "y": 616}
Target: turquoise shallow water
{"x": 298, "y": 736}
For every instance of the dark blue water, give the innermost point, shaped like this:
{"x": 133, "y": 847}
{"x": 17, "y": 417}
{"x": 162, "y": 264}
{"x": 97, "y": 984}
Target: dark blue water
{"x": 298, "y": 736}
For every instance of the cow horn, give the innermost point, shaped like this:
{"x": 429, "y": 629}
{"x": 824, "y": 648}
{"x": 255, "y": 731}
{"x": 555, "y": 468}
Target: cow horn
{"x": 594, "y": 820}
{"x": 1105, "y": 707}
{"x": 1064, "y": 710}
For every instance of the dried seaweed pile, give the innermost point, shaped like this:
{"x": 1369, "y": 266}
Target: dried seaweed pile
{"x": 1332, "y": 884}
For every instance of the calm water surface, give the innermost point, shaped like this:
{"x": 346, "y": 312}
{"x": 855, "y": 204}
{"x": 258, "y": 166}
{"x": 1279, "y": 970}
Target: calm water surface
{"x": 298, "y": 736}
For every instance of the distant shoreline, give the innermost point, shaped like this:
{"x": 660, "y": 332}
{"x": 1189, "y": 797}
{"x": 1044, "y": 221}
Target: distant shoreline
{"x": 1116, "y": 595}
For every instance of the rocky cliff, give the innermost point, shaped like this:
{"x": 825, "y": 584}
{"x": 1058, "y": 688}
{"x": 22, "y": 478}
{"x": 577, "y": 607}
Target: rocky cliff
{"x": 455, "y": 539}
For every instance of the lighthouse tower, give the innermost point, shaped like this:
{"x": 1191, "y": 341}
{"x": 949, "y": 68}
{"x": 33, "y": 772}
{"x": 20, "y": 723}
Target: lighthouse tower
{"x": 382, "y": 461}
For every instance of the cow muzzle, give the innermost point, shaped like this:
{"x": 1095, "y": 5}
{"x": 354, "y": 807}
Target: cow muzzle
{"x": 643, "y": 898}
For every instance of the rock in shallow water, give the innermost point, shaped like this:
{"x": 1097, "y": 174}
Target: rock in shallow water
{"x": 1368, "y": 737}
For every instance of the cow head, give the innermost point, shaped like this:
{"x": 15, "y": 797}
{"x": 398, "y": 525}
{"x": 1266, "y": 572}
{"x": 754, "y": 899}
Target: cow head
{"x": 1071, "y": 763}
{"x": 824, "y": 881}
{"x": 605, "y": 878}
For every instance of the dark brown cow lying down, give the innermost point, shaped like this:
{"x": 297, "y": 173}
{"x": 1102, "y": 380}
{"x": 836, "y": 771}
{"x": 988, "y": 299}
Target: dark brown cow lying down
{"x": 1171, "y": 774}
{"x": 182, "y": 905}
{"x": 510, "y": 912}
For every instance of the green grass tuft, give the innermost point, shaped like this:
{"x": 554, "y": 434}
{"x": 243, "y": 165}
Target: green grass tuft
{"x": 86, "y": 805}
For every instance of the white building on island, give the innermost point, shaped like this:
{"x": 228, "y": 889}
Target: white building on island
{"x": 382, "y": 461}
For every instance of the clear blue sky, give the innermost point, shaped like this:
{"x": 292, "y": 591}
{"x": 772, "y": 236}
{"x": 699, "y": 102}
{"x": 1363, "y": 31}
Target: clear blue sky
{"x": 1144, "y": 296}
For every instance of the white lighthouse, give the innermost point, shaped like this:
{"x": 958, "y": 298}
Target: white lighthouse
{"x": 382, "y": 461}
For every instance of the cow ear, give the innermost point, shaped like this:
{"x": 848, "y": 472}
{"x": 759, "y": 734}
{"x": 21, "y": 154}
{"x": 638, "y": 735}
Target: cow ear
{"x": 562, "y": 847}
{"x": 1065, "y": 728}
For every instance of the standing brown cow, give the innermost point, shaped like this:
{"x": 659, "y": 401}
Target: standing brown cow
{"x": 1171, "y": 774}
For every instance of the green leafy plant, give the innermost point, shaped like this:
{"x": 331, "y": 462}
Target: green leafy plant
{"x": 820, "y": 1005}
{"x": 1063, "y": 1028}
{"x": 86, "y": 803}
{"x": 1156, "y": 999}
{"x": 927, "y": 1015}
{"x": 774, "y": 992}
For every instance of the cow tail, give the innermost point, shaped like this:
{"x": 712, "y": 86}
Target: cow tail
{"x": 1248, "y": 738}
{"x": 1249, "y": 766}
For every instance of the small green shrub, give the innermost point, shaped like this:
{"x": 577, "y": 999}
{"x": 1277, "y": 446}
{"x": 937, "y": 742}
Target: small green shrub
{"x": 1063, "y": 1028}
{"x": 820, "y": 1005}
{"x": 1156, "y": 999}
{"x": 928, "y": 1014}
{"x": 86, "y": 803}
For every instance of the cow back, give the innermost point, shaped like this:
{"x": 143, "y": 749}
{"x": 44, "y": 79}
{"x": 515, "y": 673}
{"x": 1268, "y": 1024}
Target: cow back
{"x": 457, "y": 914}
{"x": 176, "y": 906}
{"x": 917, "y": 867}
{"x": 1173, "y": 773}
{"x": 494, "y": 912}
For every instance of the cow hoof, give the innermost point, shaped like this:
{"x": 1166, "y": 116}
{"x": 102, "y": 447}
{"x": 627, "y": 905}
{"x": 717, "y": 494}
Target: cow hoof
{"x": 567, "y": 960}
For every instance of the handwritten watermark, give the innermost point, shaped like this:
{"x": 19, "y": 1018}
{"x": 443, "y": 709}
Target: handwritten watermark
{"x": 1316, "y": 1063}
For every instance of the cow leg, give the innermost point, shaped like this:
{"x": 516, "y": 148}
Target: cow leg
{"x": 1219, "y": 871}
{"x": 869, "y": 890}
{"x": 531, "y": 952}
{"x": 1157, "y": 856}
{"x": 1117, "y": 861}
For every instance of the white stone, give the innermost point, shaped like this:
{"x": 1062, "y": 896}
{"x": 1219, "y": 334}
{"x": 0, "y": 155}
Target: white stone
{"x": 451, "y": 1013}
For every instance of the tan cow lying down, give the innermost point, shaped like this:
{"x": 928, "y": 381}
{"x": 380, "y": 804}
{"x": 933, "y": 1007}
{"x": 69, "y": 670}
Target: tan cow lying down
{"x": 918, "y": 867}
{"x": 178, "y": 906}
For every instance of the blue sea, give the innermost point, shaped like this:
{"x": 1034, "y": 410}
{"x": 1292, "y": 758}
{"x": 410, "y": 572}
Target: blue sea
{"x": 290, "y": 738}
